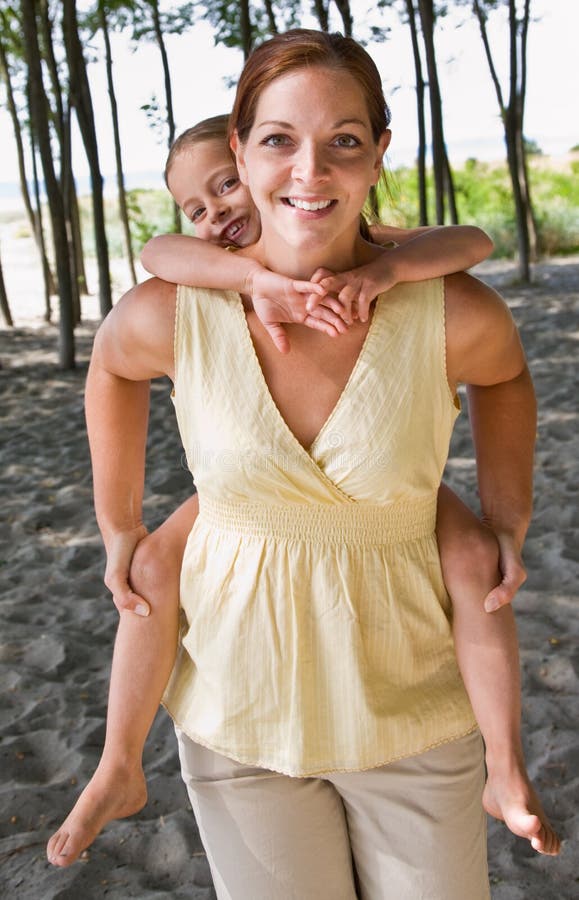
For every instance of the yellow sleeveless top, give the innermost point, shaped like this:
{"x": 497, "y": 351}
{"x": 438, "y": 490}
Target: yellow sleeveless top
{"x": 316, "y": 633}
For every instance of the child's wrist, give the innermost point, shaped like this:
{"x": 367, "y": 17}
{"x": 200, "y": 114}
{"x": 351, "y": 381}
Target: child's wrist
{"x": 254, "y": 268}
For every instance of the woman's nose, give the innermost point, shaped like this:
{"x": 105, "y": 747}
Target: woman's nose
{"x": 310, "y": 164}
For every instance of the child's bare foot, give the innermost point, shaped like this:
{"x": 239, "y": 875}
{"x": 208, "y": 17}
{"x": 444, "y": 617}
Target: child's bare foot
{"x": 512, "y": 798}
{"x": 110, "y": 794}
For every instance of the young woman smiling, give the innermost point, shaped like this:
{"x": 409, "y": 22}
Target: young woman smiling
{"x": 325, "y": 734}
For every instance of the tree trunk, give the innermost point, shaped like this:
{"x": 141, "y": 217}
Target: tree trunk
{"x": 449, "y": 189}
{"x": 59, "y": 114}
{"x": 426, "y": 11}
{"x": 168, "y": 93}
{"x": 346, "y": 15}
{"x": 4, "y": 306}
{"x": 421, "y": 155}
{"x": 47, "y": 274}
{"x": 39, "y": 111}
{"x": 321, "y": 11}
{"x": 512, "y": 115}
{"x": 17, "y": 129}
{"x": 69, "y": 197}
{"x": 81, "y": 98}
{"x": 270, "y": 17}
{"x": 123, "y": 210}
{"x": 513, "y": 161}
{"x": 245, "y": 28}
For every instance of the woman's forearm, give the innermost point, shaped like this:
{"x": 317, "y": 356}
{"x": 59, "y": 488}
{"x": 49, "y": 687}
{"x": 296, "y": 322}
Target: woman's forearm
{"x": 504, "y": 423}
{"x": 117, "y": 412}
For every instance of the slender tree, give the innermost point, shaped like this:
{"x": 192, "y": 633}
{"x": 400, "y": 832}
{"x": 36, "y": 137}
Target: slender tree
{"x": 443, "y": 183}
{"x": 59, "y": 110}
{"x": 40, "y": 116}
{"x": 420, "y": 88}
{"x": 320, "y": 8}
{"x": 4, "y": 305}
{"x": 39, "y": 217}
{"x": 512, "y": 114}
{"x": 272, "y": 24}
{"x": 18, "y": 129}
{"x": 82, "y": 103}
{"x": 245, "y": 27}
{"x": 122, "y": 195}
{"x": 346, "y": 16}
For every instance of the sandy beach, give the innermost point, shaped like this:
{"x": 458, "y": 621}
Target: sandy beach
{"x": 58, "y": 620}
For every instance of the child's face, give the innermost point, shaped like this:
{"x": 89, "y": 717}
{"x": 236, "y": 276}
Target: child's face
{"x": 204, "y": 183}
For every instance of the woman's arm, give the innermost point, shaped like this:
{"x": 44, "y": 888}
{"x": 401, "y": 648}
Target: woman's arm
{"x": 133, "y": 345}
{"x": 420, "y": 253}
{"x": 485, "y": 352}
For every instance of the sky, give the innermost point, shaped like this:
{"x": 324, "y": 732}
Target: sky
{"x": 472, "y": 125}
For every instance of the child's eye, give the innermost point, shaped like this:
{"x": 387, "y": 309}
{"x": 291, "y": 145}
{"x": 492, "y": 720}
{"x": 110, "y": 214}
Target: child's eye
{"x": 196, "y": 214}
{"x": 276, "y": 140}
{"x": 229, "y": 183}
{"x": 347, "y": 140}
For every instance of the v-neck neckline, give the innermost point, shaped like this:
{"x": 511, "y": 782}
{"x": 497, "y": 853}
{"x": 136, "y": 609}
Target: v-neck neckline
{"x": 265, "y": 390}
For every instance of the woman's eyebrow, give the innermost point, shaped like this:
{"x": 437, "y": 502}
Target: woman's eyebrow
{"x": 278, "y": 124}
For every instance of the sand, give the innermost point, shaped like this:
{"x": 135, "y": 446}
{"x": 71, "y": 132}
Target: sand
{"x": 58, "y": 620}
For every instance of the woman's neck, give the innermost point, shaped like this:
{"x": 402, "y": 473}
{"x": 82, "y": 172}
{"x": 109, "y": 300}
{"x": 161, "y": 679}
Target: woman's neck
{"x": 301, "y": 263}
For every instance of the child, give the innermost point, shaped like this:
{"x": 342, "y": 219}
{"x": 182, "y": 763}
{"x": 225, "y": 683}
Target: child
{"x": 202, "y": 177}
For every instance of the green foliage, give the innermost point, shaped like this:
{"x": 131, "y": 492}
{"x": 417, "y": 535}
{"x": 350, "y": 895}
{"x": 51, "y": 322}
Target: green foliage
{"x": 531, "y": 147}
{"x": 150, "y": 213}
{"x": 484, "y": 198}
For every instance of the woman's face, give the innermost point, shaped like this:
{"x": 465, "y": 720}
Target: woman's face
{"x": 204, "y": 183}
{"x": 310, "y": 158}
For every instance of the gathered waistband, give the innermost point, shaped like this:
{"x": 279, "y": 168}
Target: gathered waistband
{"x": 356, "y": 523}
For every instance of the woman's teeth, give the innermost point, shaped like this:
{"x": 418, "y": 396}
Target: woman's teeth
{"x": 306, "y": 204}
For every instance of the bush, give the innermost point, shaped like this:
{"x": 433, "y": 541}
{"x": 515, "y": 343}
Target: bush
{"x": 484, "y": 198}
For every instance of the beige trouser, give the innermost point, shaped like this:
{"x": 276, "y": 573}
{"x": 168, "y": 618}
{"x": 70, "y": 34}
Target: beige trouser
{"x": 411, "y": 830}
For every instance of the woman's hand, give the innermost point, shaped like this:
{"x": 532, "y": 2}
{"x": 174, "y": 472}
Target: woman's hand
{"x": 512, "y": 570}
{"x": 120, "y": 548}
{"x": 277, "y": 300}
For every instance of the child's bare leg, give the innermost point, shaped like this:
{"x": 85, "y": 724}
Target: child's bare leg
{"x": 142, "y": 661}
{"x": 487, "y": 651}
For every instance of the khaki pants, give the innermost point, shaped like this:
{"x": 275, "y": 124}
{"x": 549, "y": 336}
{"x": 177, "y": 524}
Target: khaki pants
{"x": 411, "y": 830}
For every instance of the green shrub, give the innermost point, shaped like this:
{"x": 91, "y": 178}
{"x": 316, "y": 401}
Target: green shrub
{"x": 484, "y": 198}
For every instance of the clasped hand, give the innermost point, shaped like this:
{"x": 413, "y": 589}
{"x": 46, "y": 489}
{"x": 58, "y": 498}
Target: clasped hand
{"x": 329, "y": 302}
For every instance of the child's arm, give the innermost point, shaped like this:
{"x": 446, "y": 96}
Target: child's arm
{"x": 182, "y": 259}
{"x": 420, "y": 253}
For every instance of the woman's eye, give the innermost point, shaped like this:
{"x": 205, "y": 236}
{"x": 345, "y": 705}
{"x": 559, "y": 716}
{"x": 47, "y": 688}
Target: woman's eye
{"x": 347, "y": 140}
{"x": 276, "y": 140}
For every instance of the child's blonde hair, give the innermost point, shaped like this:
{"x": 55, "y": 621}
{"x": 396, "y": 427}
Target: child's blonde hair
{"x": 213, "y": 129}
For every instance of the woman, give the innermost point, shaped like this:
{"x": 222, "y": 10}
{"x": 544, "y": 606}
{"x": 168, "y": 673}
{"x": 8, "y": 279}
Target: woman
{"x": 318, "y": 642}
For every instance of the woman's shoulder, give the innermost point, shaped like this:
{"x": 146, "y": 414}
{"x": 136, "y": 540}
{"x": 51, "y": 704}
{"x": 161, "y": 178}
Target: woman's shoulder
{"x": 138, "y": 332}
{"x": 483, "y": 346}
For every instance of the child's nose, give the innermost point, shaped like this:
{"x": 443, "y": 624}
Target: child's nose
{"x": 218, "y": 211}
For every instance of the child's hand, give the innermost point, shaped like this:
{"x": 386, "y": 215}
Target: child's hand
{"x": 512, "y": 571}
{"x": 277, "y": 299}
{"x": 356, "y": 288}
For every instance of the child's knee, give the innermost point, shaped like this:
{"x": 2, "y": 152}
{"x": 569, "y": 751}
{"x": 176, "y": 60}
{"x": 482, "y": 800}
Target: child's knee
{"x": 471, "y": 560}
{"x": 154, "y": 570}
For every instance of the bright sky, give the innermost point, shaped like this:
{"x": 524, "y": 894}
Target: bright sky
{"x": 470, "y": 108}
